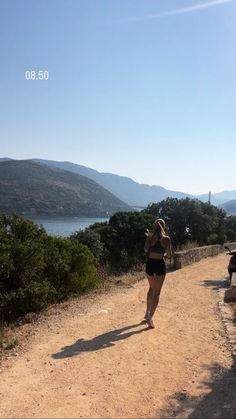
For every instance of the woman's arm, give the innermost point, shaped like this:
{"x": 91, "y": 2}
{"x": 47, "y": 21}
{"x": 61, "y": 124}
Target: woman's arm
{"x": 169, "y": 248}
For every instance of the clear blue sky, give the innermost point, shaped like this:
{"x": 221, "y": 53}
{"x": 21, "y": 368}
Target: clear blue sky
{"x": 141, "y": 88}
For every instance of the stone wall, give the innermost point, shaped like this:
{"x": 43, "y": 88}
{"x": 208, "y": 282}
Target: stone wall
{"x": 186, "y": 257}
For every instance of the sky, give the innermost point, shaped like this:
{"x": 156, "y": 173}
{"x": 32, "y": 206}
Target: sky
{"x": 140, "y": 88}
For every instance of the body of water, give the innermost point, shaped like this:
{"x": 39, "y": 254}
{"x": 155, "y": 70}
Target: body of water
{"x": 66, "y": 226}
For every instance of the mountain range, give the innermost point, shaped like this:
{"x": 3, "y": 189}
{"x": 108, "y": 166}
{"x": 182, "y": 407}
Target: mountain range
{"x": 230, "y": 207}
{"x": 134, "y": 193}
{"x": 27, "y": 187}
{"x": 126, "y": 189}
{"x": 130, "y": 192}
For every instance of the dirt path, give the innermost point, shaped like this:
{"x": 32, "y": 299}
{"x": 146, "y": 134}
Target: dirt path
{"x": 97, "y": 361}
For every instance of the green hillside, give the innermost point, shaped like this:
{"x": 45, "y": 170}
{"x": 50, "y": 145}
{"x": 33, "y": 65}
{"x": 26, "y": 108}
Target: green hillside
{"x": 126, "y": 189}
{"x": 27, "y": 187}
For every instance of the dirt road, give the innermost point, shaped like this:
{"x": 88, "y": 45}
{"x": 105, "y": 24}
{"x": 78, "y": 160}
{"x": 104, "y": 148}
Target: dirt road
{"x": 96, "y": 360}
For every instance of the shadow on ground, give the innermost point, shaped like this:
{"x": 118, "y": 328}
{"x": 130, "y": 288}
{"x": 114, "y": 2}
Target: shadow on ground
{"x": 219, "y": 402}
{"x": 216, "y": 283}
{"x": 103, "y": 341}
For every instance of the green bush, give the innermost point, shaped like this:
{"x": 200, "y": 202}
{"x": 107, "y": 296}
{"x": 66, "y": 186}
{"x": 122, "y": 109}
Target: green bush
{"x": 37, "y": 269}
{"x": 212, "y": 239}
{"x": 70, "y": 266}
{"x": 230, "y": 228}
{"x": 187, "y": 246}
{"x": 123, "y": 239}
{"x": 92, "y": 239}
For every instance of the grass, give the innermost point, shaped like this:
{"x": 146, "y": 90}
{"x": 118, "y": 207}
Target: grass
{"x": 7, "y": 340}
{"x": 187, "y": 246}
{"x": 1, "y": 335}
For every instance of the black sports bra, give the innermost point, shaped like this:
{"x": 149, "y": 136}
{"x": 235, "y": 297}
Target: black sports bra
{"x": 157, "y": 248}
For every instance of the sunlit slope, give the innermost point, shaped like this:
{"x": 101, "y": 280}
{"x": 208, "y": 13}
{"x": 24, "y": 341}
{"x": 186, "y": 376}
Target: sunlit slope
{"x": 33, "y": 188}
{"x": 126, "y": 189}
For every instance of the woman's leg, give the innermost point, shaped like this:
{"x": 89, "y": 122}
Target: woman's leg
{"x": 155, "y": 283}
{"x": 149, "y": 301}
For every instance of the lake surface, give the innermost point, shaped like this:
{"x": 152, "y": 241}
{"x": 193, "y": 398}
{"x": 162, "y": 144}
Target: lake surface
{"x": 66, "y": 226}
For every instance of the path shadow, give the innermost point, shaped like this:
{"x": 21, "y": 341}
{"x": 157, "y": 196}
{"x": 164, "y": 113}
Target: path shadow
{"x": 106, "y": 340}
{"x": 216, "y": 283}
{"x": 170, "y": 269}
{"x": 219, "y": 400}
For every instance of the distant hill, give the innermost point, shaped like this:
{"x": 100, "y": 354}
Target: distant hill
{"x": 129, "y": 191}
{"x": 225, "y": 196}
{"x": 4, "y": 159}
{"x": 230, "y": 207}
{"x": 27, "y": 187}
{"x": 126, "y": 189}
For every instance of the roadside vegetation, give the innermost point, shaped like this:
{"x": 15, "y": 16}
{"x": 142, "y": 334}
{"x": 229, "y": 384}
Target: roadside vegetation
{"x": 191, "y": 223}
{"x": 37, "y": 269}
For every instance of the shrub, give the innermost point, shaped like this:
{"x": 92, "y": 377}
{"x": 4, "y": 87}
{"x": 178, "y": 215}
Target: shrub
{"x": 92, "y": 239}
{"x": 187, "y": 246}
{"x": 212, "y": 239}
{"x": 123, "y": 239}
{"x": 37, "y": 269}
{"x": 70, "y": 266}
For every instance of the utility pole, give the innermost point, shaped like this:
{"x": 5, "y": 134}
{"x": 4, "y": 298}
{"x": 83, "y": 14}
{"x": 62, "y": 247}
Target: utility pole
{"x": 209, "y": 198}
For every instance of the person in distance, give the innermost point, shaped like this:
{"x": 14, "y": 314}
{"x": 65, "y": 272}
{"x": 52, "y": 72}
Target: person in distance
{"x": 157, "y": 246}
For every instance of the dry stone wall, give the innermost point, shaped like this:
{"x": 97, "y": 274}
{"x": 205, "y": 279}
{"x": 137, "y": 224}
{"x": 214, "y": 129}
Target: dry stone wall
{"x": 186, "y": 257}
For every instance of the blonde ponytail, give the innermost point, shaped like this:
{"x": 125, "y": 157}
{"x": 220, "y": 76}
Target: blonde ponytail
{"x": 158, "y": 230}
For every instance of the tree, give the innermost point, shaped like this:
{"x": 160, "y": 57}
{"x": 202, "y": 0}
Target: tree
{"x": 190, "y": 220}
{"x": 123, "y": 237}
{"x": 230, "y": 228}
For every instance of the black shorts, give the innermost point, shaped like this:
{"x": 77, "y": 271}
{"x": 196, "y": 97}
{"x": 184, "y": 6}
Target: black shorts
{"x": 155, "y": 267}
